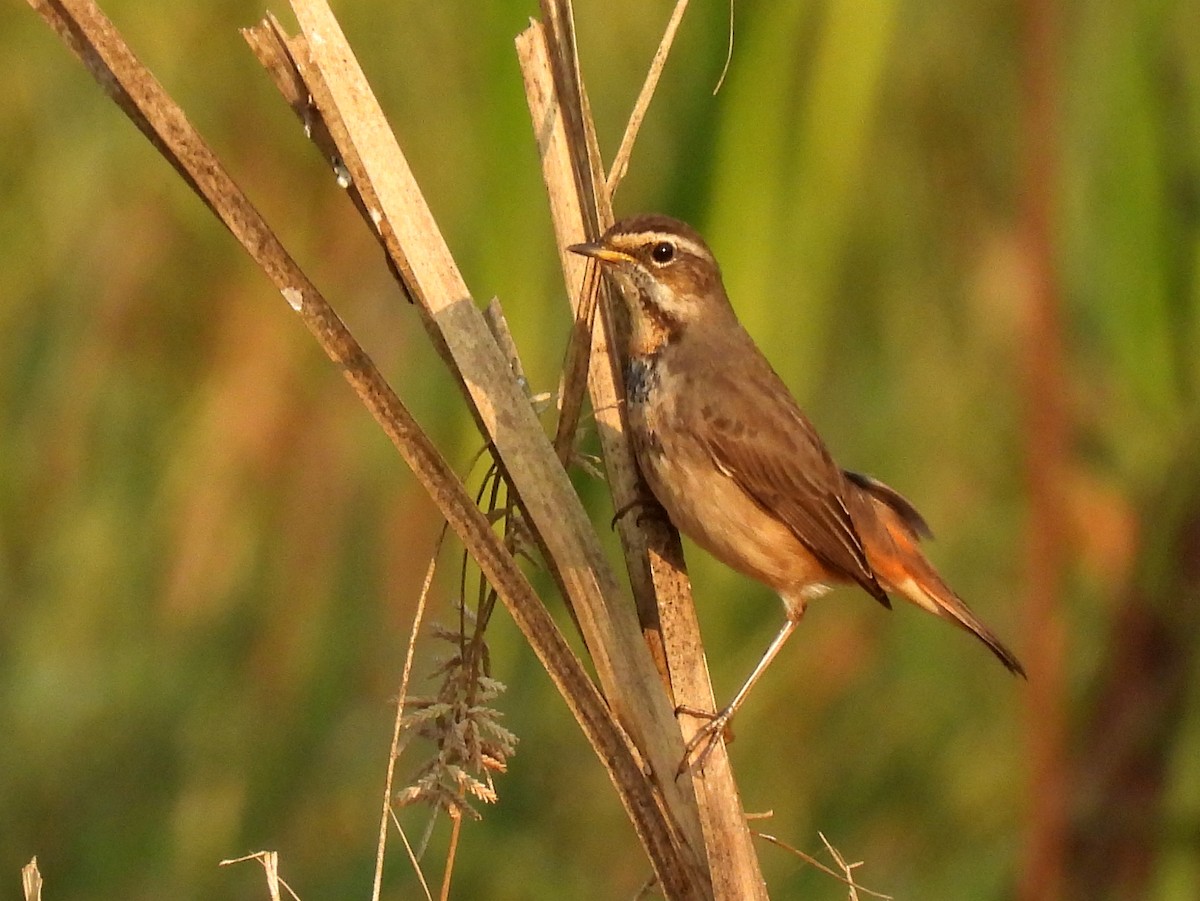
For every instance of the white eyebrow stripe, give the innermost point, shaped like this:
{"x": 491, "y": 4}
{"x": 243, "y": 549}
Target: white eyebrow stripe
{"x": 687, "y": 245}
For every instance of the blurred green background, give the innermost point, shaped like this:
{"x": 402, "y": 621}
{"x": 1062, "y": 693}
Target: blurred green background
{"x": 209, "y": 554}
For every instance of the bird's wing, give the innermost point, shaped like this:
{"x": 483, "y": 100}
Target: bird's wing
{"x": 757, "y": 435}
{"x": 892, "y": 498}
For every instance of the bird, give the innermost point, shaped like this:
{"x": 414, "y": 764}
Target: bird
{"x": 736, "y": 464}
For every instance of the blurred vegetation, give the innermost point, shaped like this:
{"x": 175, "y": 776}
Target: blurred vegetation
{"x": 209, "y": 555}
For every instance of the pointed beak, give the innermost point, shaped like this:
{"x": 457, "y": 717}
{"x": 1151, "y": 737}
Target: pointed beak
{"x": 598, "y": 251}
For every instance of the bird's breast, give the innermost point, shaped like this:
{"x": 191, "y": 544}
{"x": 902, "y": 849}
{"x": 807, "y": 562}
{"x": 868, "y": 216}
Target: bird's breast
{"x": 667, "y": 430}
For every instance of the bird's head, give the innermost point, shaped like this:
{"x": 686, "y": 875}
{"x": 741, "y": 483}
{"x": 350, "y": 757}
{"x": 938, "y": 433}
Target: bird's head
{"x": 667, "y": 276}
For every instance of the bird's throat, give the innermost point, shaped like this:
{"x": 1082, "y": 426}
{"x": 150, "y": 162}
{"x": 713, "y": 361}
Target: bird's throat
{"x": 653, "y": 328}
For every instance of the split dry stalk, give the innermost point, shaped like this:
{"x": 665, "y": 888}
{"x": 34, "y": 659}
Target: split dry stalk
{"x": 31, "y": 881}
{"x": 570, "y": 546}
{"x": 420, "y": 255}
{"x": 631, "y": 725}
{"x": 581, "y": 207}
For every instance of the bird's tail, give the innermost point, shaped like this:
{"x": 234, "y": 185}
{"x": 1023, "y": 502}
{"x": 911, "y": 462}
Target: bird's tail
{"x": 901, "y": 566}
{"x": 927, "y": 590}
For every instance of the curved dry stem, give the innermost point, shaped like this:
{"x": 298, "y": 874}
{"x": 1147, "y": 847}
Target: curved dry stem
{"x": 620, "y": 163}
{"x": 848, "y": 869}
{"x": 397, "y": 727}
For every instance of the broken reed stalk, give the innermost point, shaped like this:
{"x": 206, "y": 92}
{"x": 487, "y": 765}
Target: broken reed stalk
{"x": 569, "y": 543}
{"x": 577, "y": 190}
{"x": 663, "y": 823}
{"x": 31, "y": 881}
{"x": 347, "y": 122}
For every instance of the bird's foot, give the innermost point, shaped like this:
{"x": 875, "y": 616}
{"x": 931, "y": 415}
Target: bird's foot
{"x": 704, "y": 741}
{"x": 647, "y": 507}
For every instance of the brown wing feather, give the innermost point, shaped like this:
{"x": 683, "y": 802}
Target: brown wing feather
{"x": 779, "y": 460}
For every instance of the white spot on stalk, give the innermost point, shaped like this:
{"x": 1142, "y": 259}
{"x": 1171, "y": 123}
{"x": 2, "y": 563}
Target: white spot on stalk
{"x": 294, "y": 297}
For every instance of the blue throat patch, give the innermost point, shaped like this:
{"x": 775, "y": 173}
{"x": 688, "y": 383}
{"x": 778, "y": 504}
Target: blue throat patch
{"x": 641, "y": 377}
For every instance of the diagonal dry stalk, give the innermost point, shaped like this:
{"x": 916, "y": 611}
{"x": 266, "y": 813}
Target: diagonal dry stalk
{"x": 462, "y": 720}
{"x": 846, "y": 877}
{"x": 568, "y": 540}
{"x": 318, "y": 75}
{"x": 403, "y": 223}
{"x": 620, "y": 163}
{"x": 412, "y": 859}
{"x": 665, "y": 824}
{"x": 379, "y": 171}
{"x": 581, "y": 207}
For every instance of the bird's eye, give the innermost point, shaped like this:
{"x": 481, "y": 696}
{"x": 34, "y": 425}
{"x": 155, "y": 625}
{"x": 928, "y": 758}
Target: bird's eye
{"x": 663, "y": 252}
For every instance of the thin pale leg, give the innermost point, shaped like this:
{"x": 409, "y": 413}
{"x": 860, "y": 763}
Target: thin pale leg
{"x": 707, "y": 735}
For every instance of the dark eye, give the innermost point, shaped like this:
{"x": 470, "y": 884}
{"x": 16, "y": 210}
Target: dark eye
{"x": 663, "y": 252}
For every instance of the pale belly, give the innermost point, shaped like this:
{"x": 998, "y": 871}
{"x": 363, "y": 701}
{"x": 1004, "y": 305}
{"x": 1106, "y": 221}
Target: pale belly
{"x": 711, "y": 509}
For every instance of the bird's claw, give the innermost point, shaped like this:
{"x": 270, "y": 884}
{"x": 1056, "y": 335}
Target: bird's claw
{"x": 648, "y": 509}
{"x": 705, "y": 739}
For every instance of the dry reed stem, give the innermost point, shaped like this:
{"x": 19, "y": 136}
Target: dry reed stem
{"x": 276, "y": 51}
{"x": 270, "y": 865}
{"x": 394, "y": 750}
{"x": 583, "y": 161}
{"x": 569, "y": 542}
{"x": 295, "y": 46}
{"x": 848, "y": 869}
{"x": 97, "y": 43}
{"x": 381, "y": 173}
{"x": 621, "y": 161}
{"x": 455, "y": 831}
{"x": 652, "y": 549}
{"x": 412, "y": 855}
{"x": 591, "y": 354}
{"x": 31, "y": 881}
{"x": 728, "y": 54}
{"x": 362, "y": 183}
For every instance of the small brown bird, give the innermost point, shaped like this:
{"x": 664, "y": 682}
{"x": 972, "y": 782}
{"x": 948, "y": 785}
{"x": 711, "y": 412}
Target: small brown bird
{"x": 736, "y": 464}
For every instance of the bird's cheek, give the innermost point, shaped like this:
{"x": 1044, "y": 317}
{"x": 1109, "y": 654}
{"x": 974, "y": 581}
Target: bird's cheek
{"x": 624, "y": 283}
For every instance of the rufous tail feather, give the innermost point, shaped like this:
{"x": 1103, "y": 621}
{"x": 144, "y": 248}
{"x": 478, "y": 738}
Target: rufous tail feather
{"x": 896, "y": 557}
{"x": 934, "y": 595}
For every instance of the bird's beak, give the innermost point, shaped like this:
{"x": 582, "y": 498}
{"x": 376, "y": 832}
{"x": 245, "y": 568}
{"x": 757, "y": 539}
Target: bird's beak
{"x": 598, "y": 251}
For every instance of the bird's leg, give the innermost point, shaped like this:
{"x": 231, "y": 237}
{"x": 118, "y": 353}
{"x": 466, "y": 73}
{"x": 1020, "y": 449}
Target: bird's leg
{"x": 706, "y": 736}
